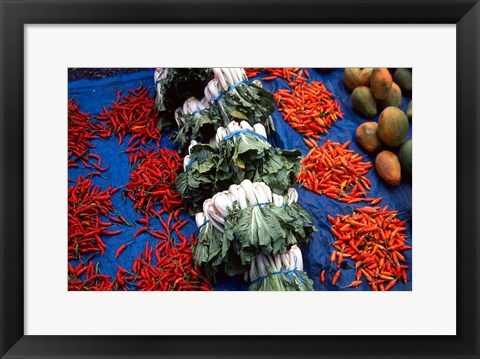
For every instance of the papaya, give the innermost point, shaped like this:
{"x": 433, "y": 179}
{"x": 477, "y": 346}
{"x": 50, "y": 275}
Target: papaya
{"x": 409, "y": 111}
{"x": 392, "y": 126}
{"x": 351, "y": 77}
{"x": 403, "y": 77}
{"x": 388, "y": 167}
{"x": 364, "y": 102}
{"x": 405, "y": 156}
{"x": 394, "y": 98}
{"x": 381, "y": 83}
{"x": 365, "y": 76}
{"x": 367, "y": 136}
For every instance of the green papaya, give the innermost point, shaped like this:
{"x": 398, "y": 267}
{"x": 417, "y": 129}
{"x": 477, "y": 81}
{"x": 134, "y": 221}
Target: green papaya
{"x": 364, "y": 102}
{"x": 403, "y": 77}
{"x": 405, "y": 156}
{"x": 392, "y": 126}
{"x": 394, "y": 98}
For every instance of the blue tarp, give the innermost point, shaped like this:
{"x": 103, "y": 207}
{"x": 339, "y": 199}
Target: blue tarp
{"x": 92, "y": 95}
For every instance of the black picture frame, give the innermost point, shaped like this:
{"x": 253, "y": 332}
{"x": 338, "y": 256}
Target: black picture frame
{"x": 15, "y": 14}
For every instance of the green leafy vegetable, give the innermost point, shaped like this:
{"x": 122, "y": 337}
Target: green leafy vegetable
{"x": 247, "y": 102}
{"x": 247, "y": 232}
{"x": 242, "y": 157}
{"x": 174, "y": 86}
{"x": 279, "y": 272}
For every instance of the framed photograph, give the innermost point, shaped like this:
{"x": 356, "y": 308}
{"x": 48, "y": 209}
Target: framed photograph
{"x": 238, "y": 179}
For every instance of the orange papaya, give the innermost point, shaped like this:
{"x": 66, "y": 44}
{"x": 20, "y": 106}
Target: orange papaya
{"x": 388, "y": 167}
{"x": 381, "y": 83}
{"x": 367, "y": 136}
{"x": 351, "y": 77}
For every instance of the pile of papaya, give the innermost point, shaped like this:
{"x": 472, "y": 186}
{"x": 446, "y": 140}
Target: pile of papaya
{"x": 373, "y": 90}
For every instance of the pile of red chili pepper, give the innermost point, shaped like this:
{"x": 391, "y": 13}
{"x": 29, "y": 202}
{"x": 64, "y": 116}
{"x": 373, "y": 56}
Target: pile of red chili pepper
{"x": 166, "y": 266}
{"x": 167, "y": 227}
{"x": 86, "y": 203}
{"x": 309, "y": 108}
{"x": 81, "y": 130}
{"x": 94, "y": 281}
{"x": 135, "y": 114}
{"x": 152, "y": 180}
{"x": 373, "y": 238}
{"x": 336, "y": 172}
{"x": 174, "y": 268}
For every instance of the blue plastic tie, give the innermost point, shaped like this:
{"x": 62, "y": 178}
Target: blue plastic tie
{"x": 187, "y": 167}
{"x": 160, "y": 79}
{"x": 229, "y": 89}
{"x": 245, "y": 130}
{"x": 236, "y": 85}
{"x": 198, "y": 111}
{"x": 288, "y": 272}
{"x": 204, "y": 223}
{"x": 261, "y": 204}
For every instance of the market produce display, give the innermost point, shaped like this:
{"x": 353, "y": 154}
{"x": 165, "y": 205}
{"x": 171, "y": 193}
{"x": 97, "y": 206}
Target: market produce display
{"x": 225, "y": 179}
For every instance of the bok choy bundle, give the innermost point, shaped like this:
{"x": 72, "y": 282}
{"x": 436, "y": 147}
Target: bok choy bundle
{"x": 246, "y": 220}
{"x": 236, "y": 153}
{"x": 228, "y": 97}
{"x": 279, "y": 272}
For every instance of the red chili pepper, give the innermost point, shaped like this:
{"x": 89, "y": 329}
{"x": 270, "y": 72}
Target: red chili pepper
{"x": 335, "y": 277}
{"x": 120, "y": 250}
{"x": 334, "y": 171}
{"x": 362, "y": 236}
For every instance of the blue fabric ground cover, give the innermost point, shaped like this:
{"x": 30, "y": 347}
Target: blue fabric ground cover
{"x": 92, "y": 95}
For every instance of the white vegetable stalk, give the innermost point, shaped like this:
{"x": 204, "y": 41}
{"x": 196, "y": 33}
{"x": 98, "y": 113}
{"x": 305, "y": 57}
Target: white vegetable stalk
{"x": 242, "y": 198}
{"x": 260, "y": 129}
{"x": 264, "y": 265}
{"x": 247, "y": 185}
{"x": 200, "y": 219}
{"x": 179, "y": 118}
{"x": 190, "y": 106}
{"x": 246, "y": 126}
{"x": 212, "y": 90}
{"x": 186, "y": 161}
{"x": 292, "y": 196}
{"x": 217, "y": 72}
{"x": 235, "y": 126}
{"x": 227, "y": 73}
{"x": 228, "y": 76}
{"x": 246, "y": 194}
{"x": 159, "y": 74}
